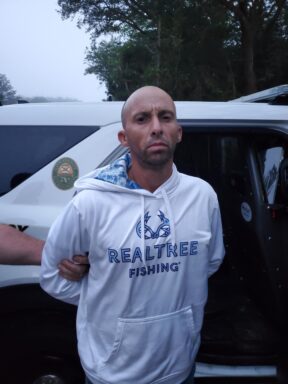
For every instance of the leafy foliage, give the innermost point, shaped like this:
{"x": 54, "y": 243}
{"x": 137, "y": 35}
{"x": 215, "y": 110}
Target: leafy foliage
{"x": 7, "y": 93}
{"x": 123, "y": 67}
{"x": 194, "y": 49}
{"x": 257, "y": 22}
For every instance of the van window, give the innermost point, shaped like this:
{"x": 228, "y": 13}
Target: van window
{"x": 270, "y": 159}
{"x": 218, "y": 159}
{"x": 26, "y": 149}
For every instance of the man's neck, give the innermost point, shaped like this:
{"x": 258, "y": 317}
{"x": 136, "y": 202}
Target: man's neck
{"x": 149, "y": 178}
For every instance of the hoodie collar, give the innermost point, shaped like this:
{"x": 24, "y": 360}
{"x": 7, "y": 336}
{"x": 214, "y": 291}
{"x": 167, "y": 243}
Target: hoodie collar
{"x": 114, "y": 177}
{"x": 117, "y": 173}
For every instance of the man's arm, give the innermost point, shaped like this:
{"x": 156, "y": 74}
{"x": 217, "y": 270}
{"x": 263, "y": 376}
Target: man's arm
{"x": 18, "y": 248}
{"x": 74, "y": 270}
{"x": 216, "y": 246}
{"x": 67, "y": 236}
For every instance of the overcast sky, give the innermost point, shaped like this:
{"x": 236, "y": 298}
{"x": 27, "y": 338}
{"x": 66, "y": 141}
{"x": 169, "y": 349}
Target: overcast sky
{"x": 43, "y": 55}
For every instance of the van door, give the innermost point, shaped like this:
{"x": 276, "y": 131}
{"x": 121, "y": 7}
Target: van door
{"x": 247, "y": 305}
{"x": 266, "y": 156}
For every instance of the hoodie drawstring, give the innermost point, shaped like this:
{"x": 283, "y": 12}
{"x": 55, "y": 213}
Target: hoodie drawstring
{"x": 143, "y": 230}
{"x": 170, "y": 215}
{"x": 171, "y": 222}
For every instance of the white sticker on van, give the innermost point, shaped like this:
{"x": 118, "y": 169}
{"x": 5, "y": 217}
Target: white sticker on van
{"x": 246, "y": 211}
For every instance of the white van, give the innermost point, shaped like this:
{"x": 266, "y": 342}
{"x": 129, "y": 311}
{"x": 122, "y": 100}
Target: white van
{"x": 240, "y": 148}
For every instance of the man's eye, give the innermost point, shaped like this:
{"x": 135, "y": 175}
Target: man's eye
{"x": 141, "y": 119}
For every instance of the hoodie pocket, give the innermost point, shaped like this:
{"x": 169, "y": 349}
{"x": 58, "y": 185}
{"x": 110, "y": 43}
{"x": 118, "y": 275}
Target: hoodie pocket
{"x": 151, "y": 348}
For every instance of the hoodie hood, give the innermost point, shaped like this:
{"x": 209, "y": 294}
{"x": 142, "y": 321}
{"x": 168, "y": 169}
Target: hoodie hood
{"x": 115, "y": 173}
{"x": 114, "y": 177}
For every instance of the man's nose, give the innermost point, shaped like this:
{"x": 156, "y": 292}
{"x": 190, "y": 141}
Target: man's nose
{"x": 156, "y": 127}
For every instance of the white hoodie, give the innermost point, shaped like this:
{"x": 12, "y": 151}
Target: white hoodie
{"x": 140, "y": 308}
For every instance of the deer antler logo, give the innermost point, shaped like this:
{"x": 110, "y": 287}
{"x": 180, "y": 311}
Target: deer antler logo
{"x": 163, "y": 229}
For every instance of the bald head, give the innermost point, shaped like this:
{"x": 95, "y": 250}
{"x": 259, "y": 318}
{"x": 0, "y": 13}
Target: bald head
{"x": 151, "y": 132}
{"x": 143, "y": 97}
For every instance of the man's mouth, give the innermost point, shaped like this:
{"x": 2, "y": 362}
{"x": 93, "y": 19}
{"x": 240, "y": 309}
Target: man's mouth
{"x": 158, "y": 144}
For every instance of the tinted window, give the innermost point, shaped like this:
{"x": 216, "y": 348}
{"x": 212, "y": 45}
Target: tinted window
{"x": 215, "y": 158}
{"x": 24, "y": 149}
{"x": 270, "y": 160}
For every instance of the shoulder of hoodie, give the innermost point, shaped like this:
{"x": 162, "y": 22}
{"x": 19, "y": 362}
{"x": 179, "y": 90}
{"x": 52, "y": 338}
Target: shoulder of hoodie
{"x": 194, "y": 181}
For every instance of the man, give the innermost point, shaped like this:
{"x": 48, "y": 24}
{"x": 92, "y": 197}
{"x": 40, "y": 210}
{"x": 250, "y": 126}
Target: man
{"x": 18, "y": 248}
{"x": 153, "y": 236}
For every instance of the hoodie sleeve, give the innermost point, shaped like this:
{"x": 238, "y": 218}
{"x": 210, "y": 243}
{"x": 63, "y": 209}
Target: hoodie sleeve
{"x": 66, "y": 238}
{"x": 216, "y": 246}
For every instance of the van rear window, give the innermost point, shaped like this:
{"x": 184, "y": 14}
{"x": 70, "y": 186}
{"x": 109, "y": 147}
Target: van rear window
{"x": 26, "y": 149}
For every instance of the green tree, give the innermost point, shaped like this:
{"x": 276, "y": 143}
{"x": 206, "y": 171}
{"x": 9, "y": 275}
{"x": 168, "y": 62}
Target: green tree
{"x": 136, "y": 22}
{"x": 157, "y": 42}
{"x": 122, "y": 66}
{"x": 256, "y": 21}
{"x": 194, "y": 49}
{"x": 271, "y": 56}
{"x": 7, "y": 93}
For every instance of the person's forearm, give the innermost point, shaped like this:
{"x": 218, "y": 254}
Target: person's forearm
{"x": 17, "y": 248}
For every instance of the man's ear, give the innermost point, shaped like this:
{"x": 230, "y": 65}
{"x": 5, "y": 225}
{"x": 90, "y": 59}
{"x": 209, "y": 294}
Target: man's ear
{"x": 122, "y": 137}
{"x": 179, "y": 133}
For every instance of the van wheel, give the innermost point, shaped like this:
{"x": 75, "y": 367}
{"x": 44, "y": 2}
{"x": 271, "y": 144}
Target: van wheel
{"x": 48, "y": 379}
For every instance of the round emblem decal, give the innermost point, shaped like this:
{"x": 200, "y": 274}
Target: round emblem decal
{"x": 65, "y": 173}
{"x": 246, "y": 212}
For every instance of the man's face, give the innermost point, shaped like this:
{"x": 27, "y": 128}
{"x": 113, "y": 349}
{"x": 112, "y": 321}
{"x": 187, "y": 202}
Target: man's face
{"x": 150, "y": 127}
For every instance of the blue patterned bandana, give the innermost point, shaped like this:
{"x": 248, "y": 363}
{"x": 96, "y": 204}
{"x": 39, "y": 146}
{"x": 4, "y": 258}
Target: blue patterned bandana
{"x": 117, "y": 173}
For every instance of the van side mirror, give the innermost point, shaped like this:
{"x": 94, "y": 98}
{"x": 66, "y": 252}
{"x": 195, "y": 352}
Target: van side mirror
{"x": 283, "y": 173}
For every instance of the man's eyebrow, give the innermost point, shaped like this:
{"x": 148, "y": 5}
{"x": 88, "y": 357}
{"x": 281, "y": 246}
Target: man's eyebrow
{"x": 141, "y": 113}
{"x": 148, "y": 112}
{"x": 165, "y": 111}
